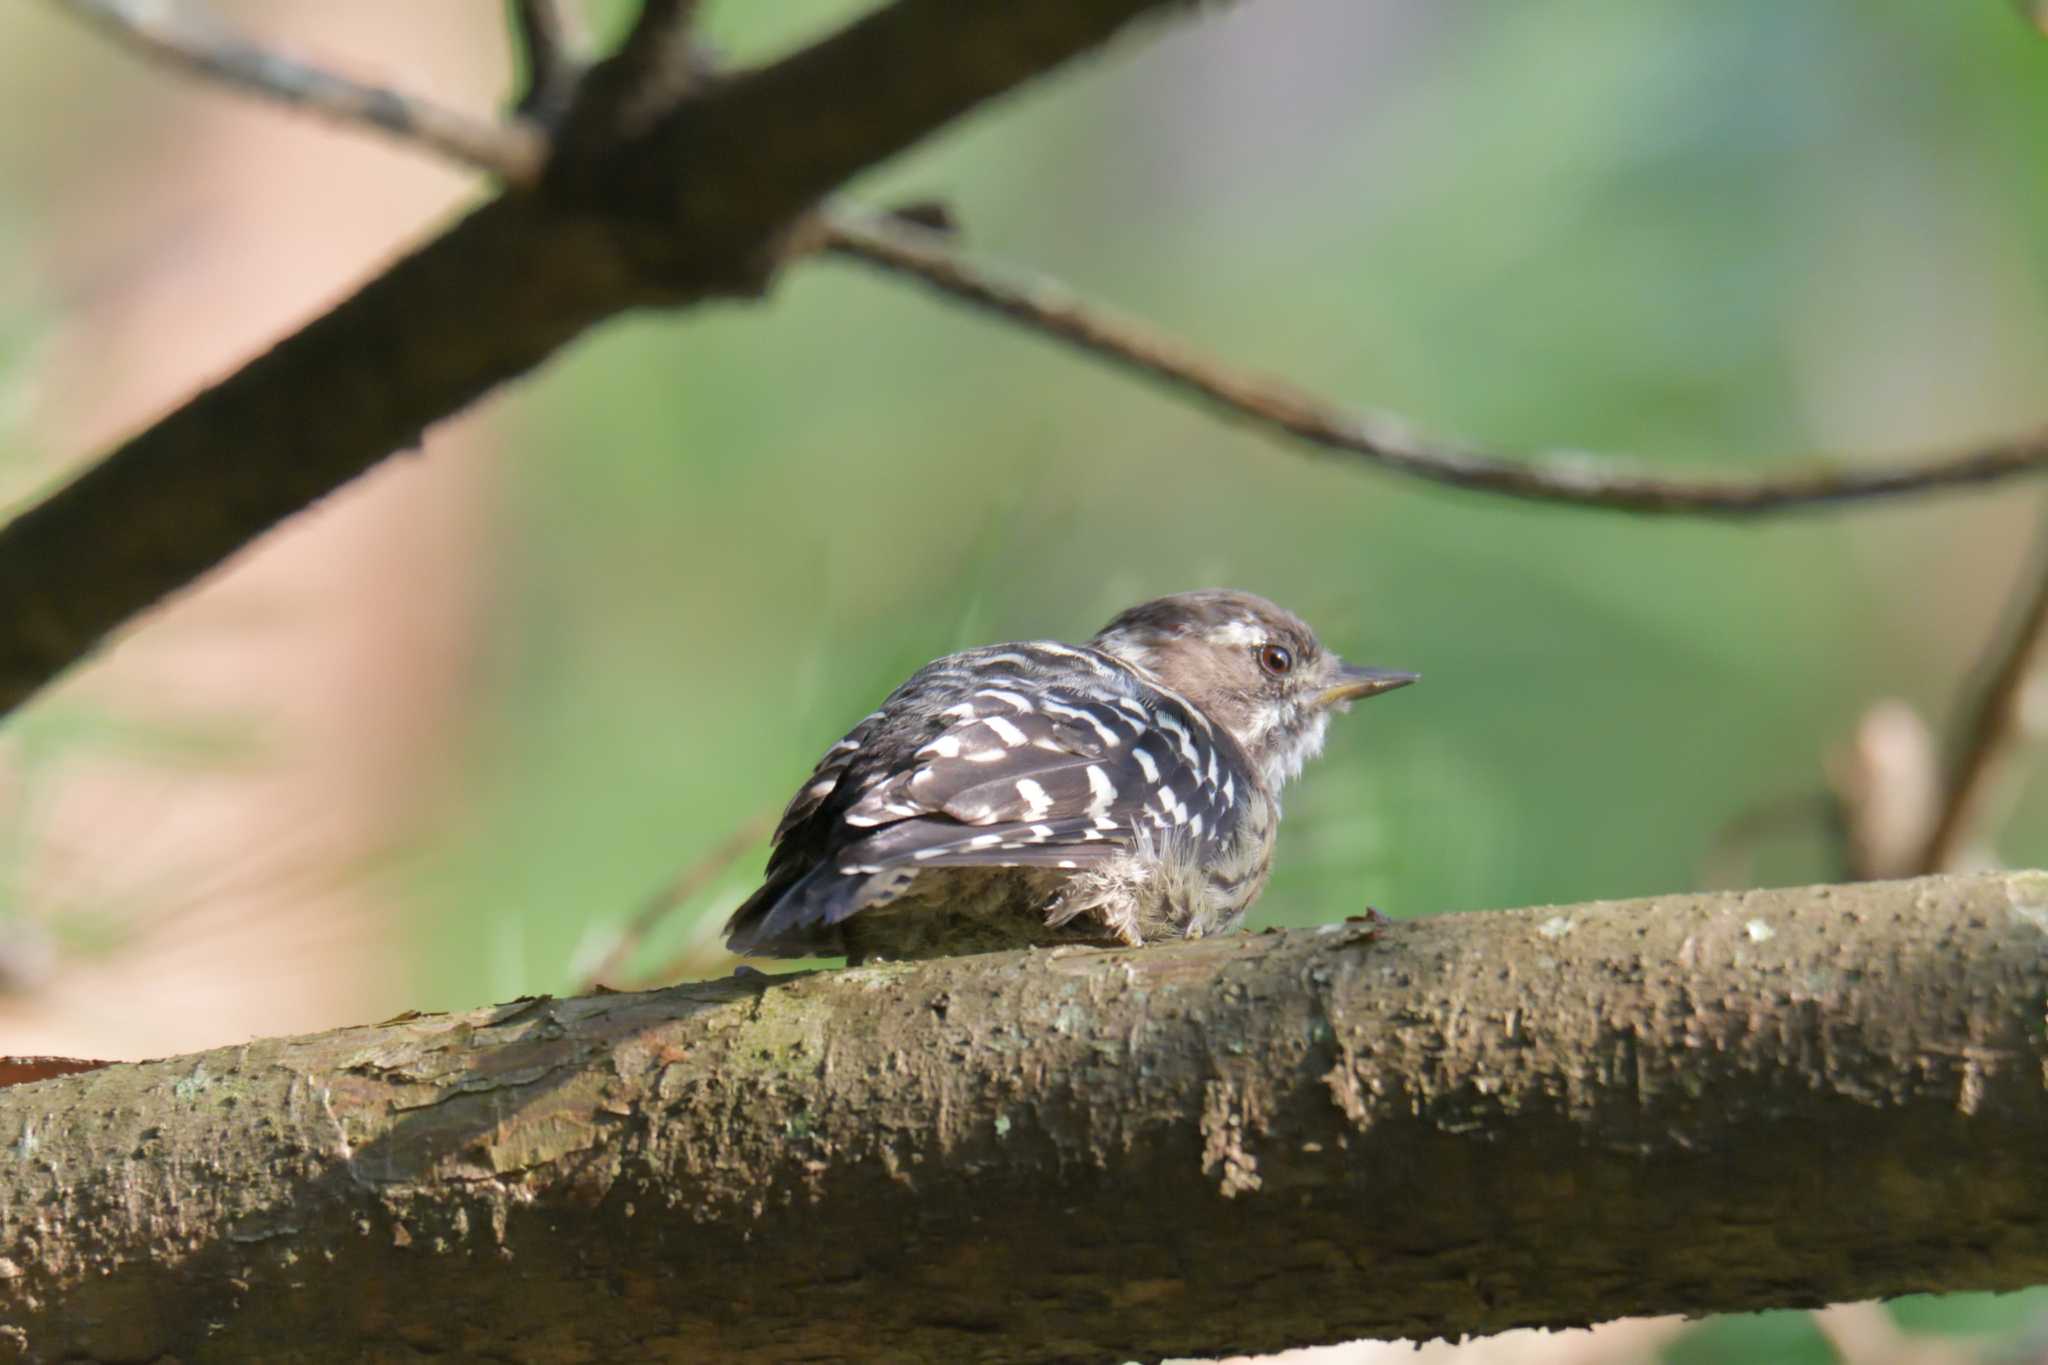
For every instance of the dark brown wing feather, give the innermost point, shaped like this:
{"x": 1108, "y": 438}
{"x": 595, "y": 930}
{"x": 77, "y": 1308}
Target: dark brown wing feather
{"x": 977, "y": 767}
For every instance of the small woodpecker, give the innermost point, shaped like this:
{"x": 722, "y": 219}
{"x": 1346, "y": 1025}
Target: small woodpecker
{"x": 1113, "y": 792}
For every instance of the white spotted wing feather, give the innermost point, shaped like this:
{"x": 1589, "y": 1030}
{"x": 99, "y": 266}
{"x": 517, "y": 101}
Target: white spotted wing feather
{"x": 964, "y": 769}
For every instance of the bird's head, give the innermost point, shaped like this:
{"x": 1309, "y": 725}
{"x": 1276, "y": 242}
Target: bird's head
{"x": 1252, "y": 667}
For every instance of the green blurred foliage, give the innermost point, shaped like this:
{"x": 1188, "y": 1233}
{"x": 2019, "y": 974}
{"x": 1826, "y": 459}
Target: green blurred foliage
{"x": 1713, "y": 234}
{"x": 1762, "y": 1338}
{"x": 1969, "y": 1314}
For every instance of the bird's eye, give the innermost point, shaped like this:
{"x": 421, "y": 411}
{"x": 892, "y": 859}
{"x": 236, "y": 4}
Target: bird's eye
{"x": 1277, "y": 660}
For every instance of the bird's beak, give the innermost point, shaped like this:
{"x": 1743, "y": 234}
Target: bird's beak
{"x": 1354, "y": 683}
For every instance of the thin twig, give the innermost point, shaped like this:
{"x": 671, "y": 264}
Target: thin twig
{"x": 659, "y": 58}
{"x": 656, "y": 65}
{"x": 548, "y": 44}
{"x": 2000, "y": 727}
{"x": 1384, "y": 440}
{"x": 190, "y": 38}
{"x": 681, "y": 889}
{"x": 659, "y": 26}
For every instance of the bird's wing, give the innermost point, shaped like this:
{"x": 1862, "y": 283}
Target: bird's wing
{"x": 1074, "y": 764}
{"x": 1055, "y": 779}
{"x": 825, "y": 778}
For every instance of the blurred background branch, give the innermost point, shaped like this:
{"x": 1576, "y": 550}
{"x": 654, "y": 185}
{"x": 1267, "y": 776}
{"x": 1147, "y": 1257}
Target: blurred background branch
{"x": 658, "y": 66}
{"x": 2003, "y": 723}
{"x": 658, "y": 48}
{"x": 189, "y": 37}
{"x": 1385, "y": 441}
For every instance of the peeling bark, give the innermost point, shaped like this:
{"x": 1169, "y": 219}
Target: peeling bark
{"x": 1550, "y": 1116}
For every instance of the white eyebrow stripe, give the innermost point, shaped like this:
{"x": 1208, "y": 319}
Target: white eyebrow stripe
{"x": 1102, "y": 732}
{"x": 1238, "y": 632}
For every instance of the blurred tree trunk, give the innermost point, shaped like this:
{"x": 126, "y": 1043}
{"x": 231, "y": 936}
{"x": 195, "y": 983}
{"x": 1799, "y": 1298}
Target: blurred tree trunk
{"x": 1552, "y": 1116}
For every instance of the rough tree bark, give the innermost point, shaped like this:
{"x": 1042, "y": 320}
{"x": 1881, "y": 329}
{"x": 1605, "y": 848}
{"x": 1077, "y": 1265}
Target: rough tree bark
{"x": 1455, "y": 1125}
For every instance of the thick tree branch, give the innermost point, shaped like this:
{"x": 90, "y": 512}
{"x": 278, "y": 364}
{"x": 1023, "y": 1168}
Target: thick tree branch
{"x": 1452, "y": 1125}
{"x": 698, "y": 205}
{"x": 1384, "y": 440}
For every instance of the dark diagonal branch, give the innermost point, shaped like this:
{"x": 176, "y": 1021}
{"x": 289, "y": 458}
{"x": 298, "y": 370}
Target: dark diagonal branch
{"x": 1383, "y": 440}
{"x": 1453, "y": 1125}
{"x": 2004, "y": 721}
{"x": 190, "y": 39}
{"x": 699, "y": 205}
